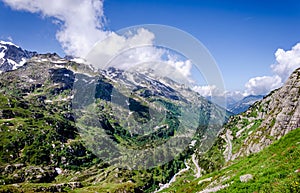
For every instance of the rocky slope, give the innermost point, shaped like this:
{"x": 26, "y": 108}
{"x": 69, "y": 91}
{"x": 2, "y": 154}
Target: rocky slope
{"x": 274, "y": 169}
{"x": 262, "y": 124}
{"x": 257, "y": 151}
{"x": 277, "y": 114}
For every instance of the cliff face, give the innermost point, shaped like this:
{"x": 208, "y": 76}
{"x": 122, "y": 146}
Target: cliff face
{"x": 278, "y": 113}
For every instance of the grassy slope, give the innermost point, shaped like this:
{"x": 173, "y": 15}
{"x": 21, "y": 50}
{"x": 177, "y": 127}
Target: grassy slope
{"x": 274, "y": 170}
{"x": 31, "y": 131}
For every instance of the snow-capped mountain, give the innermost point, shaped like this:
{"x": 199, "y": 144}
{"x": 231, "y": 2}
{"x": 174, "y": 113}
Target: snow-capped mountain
{"x": 12, "y": 56}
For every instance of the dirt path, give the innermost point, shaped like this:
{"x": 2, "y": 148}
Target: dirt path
{"x": 198, "y": 174}
{"x": 228, "y": 140}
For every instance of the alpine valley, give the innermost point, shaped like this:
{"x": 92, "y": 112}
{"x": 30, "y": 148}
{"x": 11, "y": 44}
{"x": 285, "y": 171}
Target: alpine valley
{"x": 49, "y": 140}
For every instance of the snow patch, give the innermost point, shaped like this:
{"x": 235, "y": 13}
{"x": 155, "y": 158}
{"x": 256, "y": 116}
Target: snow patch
{"x": 193, "y": 143}
{"x": 59, "y": 61}
{"x": 8, "y": 43}
{"x": 59, "y": 66}
{"x": 58, "y": 170}
{"x": 79, "y": 60}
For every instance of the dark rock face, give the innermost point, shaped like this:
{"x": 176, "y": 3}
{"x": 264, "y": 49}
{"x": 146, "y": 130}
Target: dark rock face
{"x": 13, "y": 56}
{"x": 18, "y": 173}
{"x": 63, "y": 76}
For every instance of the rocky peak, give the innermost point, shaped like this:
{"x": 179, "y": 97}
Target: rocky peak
{"x": 12, "y": 56}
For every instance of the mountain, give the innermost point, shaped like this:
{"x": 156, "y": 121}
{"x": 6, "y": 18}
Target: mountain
{"x": 67, "y": 127}
{"x": 235, "y": 102}
{"x": 256, "y": 151}
{"x": 244, "y": 104}
{"x": 225, "y": 101}
{"x": 12, "y": 56}
{"x": 60, "y": 122}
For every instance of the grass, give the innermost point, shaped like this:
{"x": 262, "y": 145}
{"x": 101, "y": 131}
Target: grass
{"x": 273, "y": 170}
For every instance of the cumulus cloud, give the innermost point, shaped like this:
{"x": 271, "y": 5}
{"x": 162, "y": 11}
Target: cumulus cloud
{"x": 81, "y": 21}
{"x": 116, "y": 47}
{"x": 183, "y": 66}
{"x": 286, "y": 63}
{"x": 262, "y": 85}
{"x": 208, "y": 90}
{"x": 135, "y": 50}
{"x": 213, "y": 90}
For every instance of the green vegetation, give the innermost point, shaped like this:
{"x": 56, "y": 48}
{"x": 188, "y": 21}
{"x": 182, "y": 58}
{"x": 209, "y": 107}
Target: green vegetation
{"x": 43, "y": 149}
{"x": 38, "y": 134}
{"x": 274, "y": 169}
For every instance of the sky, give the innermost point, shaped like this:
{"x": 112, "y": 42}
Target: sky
{"x": 254, "y": 42}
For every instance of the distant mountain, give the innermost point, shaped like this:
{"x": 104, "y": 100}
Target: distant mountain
{"x": 224, "y": 101}
{"x": 244, "y": 104}
{"x": 235, "y": 103}
{"x": 12, "y": 56}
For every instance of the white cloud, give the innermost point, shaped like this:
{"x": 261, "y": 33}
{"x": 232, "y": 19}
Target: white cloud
{"x": 213, "y": 91}
{"x": 9, "y": 38}
{"x": 123, "y": 49}
{"x": 208, "y": 90}
{"x": 262, "y": 85}
{"x": 81, "y": 27}
{"x": 81, "y": 21}
{"x": 136, "y": 51}
{"x": 183, "y": 66}
{"x": 234, "y": 95}
{"x": 287, "y": 61}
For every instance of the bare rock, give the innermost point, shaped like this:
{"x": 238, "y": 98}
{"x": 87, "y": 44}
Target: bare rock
{"x": 246, "y": 177}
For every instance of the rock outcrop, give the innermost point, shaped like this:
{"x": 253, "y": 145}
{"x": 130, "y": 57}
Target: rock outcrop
{"x": 279, "y": 113}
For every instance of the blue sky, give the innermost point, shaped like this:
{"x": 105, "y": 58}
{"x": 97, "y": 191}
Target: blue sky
{"x": 243, "y": 36}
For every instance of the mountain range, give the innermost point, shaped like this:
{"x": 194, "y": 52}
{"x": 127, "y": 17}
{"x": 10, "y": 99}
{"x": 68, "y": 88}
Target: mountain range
{"x": 62, "y": 123}
{"x": 242, "y": 105}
